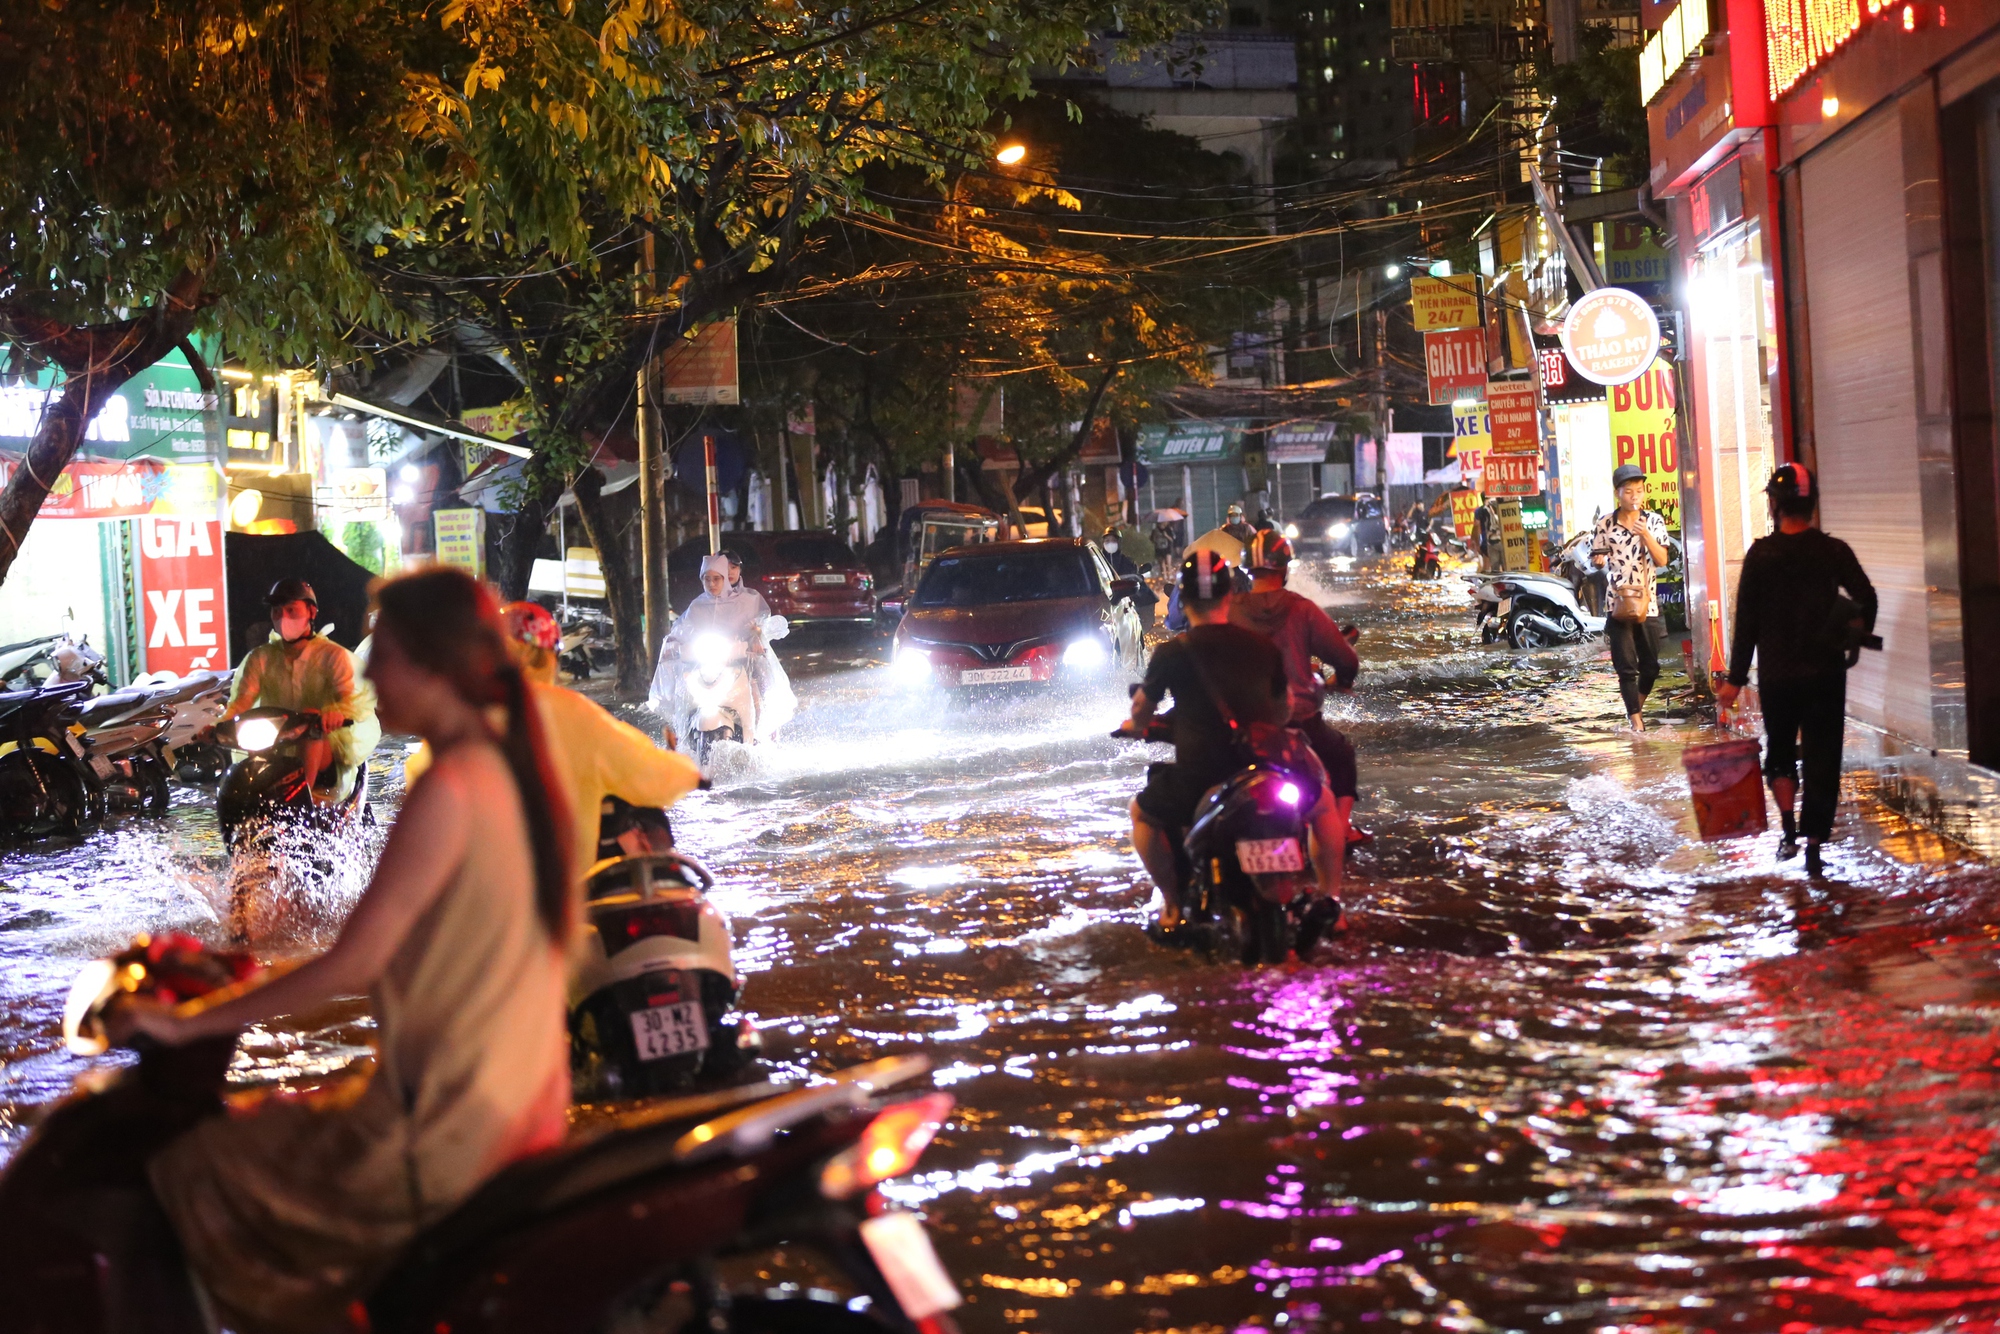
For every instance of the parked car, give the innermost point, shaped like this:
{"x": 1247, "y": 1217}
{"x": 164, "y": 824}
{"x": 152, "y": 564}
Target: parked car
{"x": 1340, "y": 526}
{"x": 806, "y": 576}
{"x": 1034, "y": 612}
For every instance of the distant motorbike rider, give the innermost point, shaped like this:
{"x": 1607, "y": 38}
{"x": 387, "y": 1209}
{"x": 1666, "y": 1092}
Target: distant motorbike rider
{"x": 304, "y": 671}
{"x": 740, "y": 616}
{"x": 1792, "y": 616}
{"x": 1237, "y": 526}
{"x": 1230, "y": 695}
{"x": 1144, "y": 599}
{"x": 1302, "y": 633}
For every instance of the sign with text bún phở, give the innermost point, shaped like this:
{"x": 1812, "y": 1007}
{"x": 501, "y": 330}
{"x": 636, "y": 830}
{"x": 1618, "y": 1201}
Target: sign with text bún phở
{"x": 1643, "y": 433}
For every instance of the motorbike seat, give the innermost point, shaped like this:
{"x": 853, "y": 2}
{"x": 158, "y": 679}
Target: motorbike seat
{"x": 109, "y": 708}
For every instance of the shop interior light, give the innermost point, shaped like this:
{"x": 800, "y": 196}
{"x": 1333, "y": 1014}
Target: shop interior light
{"x": 1829, "y": 107}
{"x": 244, "y": 509}
{"x": 1441, "y": 269}
{"x": 412, "y": 473}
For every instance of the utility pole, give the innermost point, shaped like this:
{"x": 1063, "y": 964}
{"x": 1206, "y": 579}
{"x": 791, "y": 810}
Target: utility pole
{"x": 652, "y": 518}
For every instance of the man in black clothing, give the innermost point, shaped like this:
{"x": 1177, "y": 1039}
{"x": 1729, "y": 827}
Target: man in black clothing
{"x": 1246, "y": 669}
{"x": 1791, "y": 615}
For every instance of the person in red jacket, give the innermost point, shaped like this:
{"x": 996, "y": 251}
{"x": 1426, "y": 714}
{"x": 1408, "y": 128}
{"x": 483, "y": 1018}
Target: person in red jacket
{"x": 1302, "y": 633}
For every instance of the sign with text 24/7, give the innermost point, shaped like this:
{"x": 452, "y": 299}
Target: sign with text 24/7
{"x": 1643, "y": 433}
{"x": 181, "y": 609}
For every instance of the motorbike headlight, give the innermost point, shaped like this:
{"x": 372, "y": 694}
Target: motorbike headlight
{"x": 1340, "y": 530}
{"x": 1291, "y": 530}
{"x": 256, "y": 734}
{"x": 1088, "y": 654}
{"x": 911, "y": 666}
{"x": 80, "y": 1030}
{"x": 709, "y": 650}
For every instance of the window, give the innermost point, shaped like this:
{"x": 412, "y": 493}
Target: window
{"x": 1032, "y": 576}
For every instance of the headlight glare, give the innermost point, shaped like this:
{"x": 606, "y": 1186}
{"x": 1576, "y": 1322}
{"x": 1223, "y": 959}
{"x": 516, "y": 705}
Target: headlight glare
{"x": 257, "y": 733}
{"x": 1086, "y": 653}
{"x": 1340, "y": 530}
{"x": 709, "y": 650}
{"x": 911, "y": 666}
{"x": 1291, "y": 530}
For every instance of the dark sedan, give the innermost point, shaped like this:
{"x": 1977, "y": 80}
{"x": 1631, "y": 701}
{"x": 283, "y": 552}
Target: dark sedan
{"x": 1340, "y": 526}
{"x": 1032, "y": 612}
{"x": 805, "y": 576}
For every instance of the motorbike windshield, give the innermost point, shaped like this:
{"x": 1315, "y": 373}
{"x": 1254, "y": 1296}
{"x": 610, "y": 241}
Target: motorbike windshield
{"x": 1027, "y": 576}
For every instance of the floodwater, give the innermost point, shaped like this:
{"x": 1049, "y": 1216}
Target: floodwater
{"x": 1566, "y": 1069}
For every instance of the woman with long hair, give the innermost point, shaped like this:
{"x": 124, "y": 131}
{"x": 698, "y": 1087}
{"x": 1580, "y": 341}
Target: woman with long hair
{"x": 288, "y": 1213}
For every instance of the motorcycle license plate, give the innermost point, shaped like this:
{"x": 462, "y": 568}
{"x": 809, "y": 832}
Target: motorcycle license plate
{"x": 830, "y": 579}
{"x": 1506, "y": 605}
{"x": 985, "y": 676}
{"x": 1262, "y": 856}
{"x": 902, "y": 1250}
{"x": 660, "y": 1031}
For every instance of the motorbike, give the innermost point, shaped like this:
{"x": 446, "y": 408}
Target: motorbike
{"x": 53, "y": 659}
{"x": 588, "y": 642}
{"x": 623, "y": 1226}
{"x": 653, "y": 1001}
{"x": 1424, "y": 558}
{"x": 1246, "y": 884}
{"x": 267, "y": 786}
{"x": 46, "y": 784}
{"x": 1529, "y": 610}
{"x": 716, "y": 696}
{"x": 123, "y": 737}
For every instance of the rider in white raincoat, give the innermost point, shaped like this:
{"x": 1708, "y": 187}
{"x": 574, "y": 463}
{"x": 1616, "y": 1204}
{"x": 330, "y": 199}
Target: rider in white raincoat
{"x": 762, "y": 698}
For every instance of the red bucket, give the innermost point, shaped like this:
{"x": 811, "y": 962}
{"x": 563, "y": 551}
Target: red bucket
{"x": 1727, "y": 787}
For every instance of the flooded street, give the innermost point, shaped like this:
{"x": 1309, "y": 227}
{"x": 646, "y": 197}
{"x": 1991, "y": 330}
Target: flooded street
{"x": 1566, "y": 1068}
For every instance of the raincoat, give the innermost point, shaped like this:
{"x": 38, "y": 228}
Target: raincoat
{"x": 1302, "y": 632}
{"x": 736, "y": 615}
{"x": 315, "y": 674}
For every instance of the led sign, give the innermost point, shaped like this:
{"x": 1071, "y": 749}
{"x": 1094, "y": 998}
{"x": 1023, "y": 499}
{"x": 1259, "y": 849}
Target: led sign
{"x": 1800, "y": 34}
{"x": 1678, "y": 41}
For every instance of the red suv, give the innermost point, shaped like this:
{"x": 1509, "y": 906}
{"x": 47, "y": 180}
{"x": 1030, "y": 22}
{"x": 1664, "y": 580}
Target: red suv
{"x": 805, "y": 576}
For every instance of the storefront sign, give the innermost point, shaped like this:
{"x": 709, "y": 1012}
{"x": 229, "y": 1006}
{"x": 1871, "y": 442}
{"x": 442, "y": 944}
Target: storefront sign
{"x": 502, "y": 422}
{"x": 701, "y": 369}
{"x": 461, "y": 540}
{"x": 128, "y": 490}
{"x": 1800, "y": 34}
{"x": 1190, "y": 442}
{"x": 1464, "y": 504}
{"x": 1515, "y": 553}
{"x": 1455, "y": 364}
{"x": 183, "y": 611}
{"x": 1299, "y": 442}
{"x": 1444, "y": 303}
{"x": 1678, "y": 41}
{"x": 1471, "y": 437}
{"x": 250, "y": 426}
{"x": 1715, "y": 202}
{"x": 1633, "y": 260}
{"x": 161, "y": 412}
{"x": 356, "y": 495}
{"x": 1611, "y": 336}
{"x": 1515, "y": 416}
{"x": 1511, "y": 475}
{"x": 1643, "y": 433}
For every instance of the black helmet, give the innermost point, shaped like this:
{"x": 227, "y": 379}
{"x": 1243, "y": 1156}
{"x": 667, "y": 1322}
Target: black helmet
{"x": 1630, "y": 472}
{"x": 1268, "y": 551}
{"x": 1792, "y": 481}
{"x": 1205, "y": 576}
{"x": 291, "y": 590}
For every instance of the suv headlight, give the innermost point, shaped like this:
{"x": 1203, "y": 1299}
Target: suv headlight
{"x": 1340, "y": 530}
{"x": 911, "y": 666}
{"x": 1086, "y": 653}
{"x": 1291, "y": 530}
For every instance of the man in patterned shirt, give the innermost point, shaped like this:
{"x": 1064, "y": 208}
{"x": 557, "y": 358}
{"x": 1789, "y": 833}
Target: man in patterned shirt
{"x": 1631, "y": 543}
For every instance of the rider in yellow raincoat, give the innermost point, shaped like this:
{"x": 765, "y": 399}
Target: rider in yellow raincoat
{"x": 305, "y": 671}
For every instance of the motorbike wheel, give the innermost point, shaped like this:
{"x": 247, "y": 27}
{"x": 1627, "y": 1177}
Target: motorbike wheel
{"x": 41, "y": 796}
{"x": 1265, "y": 933}
{"x": 1523, "y": 633}
{"x": 152, "y": 776}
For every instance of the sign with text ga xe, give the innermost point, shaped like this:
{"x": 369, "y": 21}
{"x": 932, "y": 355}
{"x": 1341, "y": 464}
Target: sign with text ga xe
{"x": 182, "y": 609}
{"x": 1455, "y": 364}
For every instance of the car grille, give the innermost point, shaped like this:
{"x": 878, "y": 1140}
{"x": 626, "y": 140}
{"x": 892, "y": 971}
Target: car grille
{"x": 990, "y": 652}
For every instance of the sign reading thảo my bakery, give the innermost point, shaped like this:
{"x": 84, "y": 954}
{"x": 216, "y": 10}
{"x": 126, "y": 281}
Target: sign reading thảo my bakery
{"x": 1444, "y": 303}
{"x": 1611, "y": 336}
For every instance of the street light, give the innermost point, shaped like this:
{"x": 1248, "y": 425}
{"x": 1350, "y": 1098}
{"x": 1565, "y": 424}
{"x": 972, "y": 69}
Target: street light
{"x": 1011, "y": 155}
{"x": 1393, "y": 272}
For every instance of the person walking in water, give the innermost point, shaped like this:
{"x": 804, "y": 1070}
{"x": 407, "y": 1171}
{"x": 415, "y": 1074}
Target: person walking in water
{"x": 1804, "y": 609}
{"x": 1631, "y": 544}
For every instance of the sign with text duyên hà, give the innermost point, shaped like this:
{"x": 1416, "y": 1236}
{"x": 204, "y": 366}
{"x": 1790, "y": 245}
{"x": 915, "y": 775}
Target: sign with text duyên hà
{"x": 1444, "y": 303}
{"x": 701, "y": 369}
{"x": 1511, "y": 475}
{"x": 1514, "y": 416}
{"x": 1643, "y": 433}
{"x": 1455, "y": 364}
{"x": 1611, "y": 335}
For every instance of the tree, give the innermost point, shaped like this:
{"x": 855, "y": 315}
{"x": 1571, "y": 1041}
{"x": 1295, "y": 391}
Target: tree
{"x": 1597, "y": 106}
{"x": 229, "y": 166}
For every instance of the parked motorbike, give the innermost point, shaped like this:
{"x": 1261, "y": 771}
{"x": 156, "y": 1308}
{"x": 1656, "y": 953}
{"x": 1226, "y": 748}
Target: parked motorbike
{"x": 622, "y": 1227}
{"x": 653, "y": 1000}
{"x": 1529, "y": 610}
{"x": 1246, "y": 883}
{"x": 51, "y": 660}
{"x": 589, "y": 641}
{"x": 123, "y": 737}
{"x": 267, "y": 787}
{"x": 46, "y": 784}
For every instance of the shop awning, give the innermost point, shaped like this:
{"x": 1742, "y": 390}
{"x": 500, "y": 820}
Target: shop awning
{"x": 454, "y": 430}
{"x": 1171, "y": 443}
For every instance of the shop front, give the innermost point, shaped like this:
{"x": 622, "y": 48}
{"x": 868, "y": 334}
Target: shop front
{"x": 1196, "y": 467}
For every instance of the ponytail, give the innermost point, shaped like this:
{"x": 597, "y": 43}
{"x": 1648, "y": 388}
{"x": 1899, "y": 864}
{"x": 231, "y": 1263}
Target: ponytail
{"x": 548, "y": 834}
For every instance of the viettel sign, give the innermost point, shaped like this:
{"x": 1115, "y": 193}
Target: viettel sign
{"x": 1611, "y": 336}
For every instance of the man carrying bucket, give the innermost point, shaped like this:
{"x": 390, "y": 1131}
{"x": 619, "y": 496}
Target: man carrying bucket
{"x": 1791, "y": 613}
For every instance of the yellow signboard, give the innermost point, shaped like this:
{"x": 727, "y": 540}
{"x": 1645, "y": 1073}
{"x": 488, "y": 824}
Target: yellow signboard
{"x": 1643, "y": 433}
{"x": 1471, "y": 438}
{"x": 461, "y": 540}
{"x": 1444, "y": 303}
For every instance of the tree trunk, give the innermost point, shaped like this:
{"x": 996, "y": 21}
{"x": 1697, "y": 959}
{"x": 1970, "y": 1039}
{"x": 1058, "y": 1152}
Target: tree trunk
{"x": 96, "y": 360}
{"x": 1038, "y": 476}
{"x": 625, "y": 593}
{"x": 514, "y": 554}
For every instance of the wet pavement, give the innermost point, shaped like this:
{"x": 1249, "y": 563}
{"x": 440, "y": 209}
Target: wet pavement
{"x": 1566, "y": 1069}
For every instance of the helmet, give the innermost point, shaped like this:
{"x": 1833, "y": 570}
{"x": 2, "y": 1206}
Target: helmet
{"x": 1268, "y": 551}
{"x": 291, "y": 590}
{"x": 1792, "y": 481}
{"x": 1205, "y": 576}
{"x": 530, "y": 623}
{"x": 1628, "y": 473}
{"x": 1235, "y": 509}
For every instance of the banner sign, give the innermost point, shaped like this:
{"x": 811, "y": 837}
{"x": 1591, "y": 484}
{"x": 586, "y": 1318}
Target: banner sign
{"x": 162, "y": 412}
{"x": 1515, "y": 550}
{"x": 1299, "y": 442}
{"x": 1464, "y": 504}
{"x": 701, "y": 369}
{"x": 461, "y": 539}
{"x": 1191, "y": 442}
{"x": 1455, "y": 364}
{"x": 503, "y": 421}
{"x": 1471, "y": 437}
{"x": 183, "y": 609}
{"x": 1611, "y": 335}
{"x": 1643, "y": 433}
{"x": 1511, "y": 475}
{"x": 128, "y": 490}
{"x": 1515, "y": 417}
{"x": 1444, "y": 303}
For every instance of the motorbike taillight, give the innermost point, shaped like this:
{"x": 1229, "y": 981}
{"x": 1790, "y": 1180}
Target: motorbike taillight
{"x": 621, "y": 928}
{"x": 889, "y": 1147}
